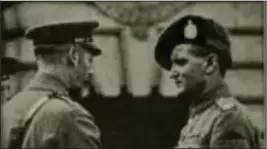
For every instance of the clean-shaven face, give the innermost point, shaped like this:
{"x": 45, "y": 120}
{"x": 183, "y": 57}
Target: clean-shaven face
{"x": 187, "y": 69}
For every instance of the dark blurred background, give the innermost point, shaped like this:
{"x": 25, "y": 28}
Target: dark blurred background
{"x": 133, "y": 100}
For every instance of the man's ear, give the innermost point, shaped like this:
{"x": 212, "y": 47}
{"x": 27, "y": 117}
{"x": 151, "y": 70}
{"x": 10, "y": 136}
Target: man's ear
{"x": 210, "y": 63}
{"x": 73, "y": 56}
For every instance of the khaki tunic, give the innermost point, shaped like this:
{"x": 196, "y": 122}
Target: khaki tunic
{"x": 219, "y": 122}
{"x": 59, "y": 123}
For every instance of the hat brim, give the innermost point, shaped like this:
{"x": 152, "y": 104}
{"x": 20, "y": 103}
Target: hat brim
{"x": 92, "y": 48}
{"x": 10, "y": 66}
{"x": 164, "y": 47}
{"x": 163, "y": 58}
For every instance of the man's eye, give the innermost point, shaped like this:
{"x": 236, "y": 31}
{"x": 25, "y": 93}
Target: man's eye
{"x": 180, "y": 62}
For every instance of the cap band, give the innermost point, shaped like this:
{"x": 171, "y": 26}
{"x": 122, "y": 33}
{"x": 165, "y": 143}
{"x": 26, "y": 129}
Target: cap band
{"x": 57, "y": 41}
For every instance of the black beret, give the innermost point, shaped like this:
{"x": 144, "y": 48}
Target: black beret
{"x": 196, "y": 30}
{"x": 64, "y": 33}
{"x": 10, "y": 66}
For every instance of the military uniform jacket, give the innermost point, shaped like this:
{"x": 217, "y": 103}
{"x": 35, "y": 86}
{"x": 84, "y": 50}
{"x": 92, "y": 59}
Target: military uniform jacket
{"x": 59, "y": 123}
{"x": 219, "y": 122}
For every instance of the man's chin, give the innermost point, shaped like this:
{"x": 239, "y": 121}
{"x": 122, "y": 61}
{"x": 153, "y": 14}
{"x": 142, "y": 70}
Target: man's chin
{"x": 180, "y": 90}
{"x": 185, "y": 92}
{"x": 193, "y": 92}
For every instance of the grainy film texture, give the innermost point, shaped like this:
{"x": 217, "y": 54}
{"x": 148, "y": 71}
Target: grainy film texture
{"x": 132, "y": 99}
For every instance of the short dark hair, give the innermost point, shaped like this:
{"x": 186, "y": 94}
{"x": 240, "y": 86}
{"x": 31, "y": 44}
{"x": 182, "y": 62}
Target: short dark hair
{"x": 52, "y": 54}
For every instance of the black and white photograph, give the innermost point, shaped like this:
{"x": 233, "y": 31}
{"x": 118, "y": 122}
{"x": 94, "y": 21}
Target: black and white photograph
{"x": 133, "y": 74}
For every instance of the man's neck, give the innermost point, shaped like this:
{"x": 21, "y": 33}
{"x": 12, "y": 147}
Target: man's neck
{"x": 213, "y": 87}
{"x": 59, "y": 73}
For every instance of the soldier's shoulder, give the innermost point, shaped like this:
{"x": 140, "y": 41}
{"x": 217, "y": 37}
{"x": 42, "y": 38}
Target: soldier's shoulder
{"x": 21, "y": 102}
{"x": 227, "y": 103}
{"x": 56, "y": 105}
{"x": 231, "y": 108}
{"x": 66, "y": 104}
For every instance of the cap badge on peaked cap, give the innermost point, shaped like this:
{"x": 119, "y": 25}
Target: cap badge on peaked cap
{"x": 83, "y": 40}
{"x": 190, "y": 30}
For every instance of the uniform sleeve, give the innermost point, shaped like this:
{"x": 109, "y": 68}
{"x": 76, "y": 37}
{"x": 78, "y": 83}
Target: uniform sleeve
{"x": 78, "y": 130}
{"x": 231, "y": 130}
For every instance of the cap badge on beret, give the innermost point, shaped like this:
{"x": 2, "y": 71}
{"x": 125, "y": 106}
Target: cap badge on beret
{"x": 190, "y": 30}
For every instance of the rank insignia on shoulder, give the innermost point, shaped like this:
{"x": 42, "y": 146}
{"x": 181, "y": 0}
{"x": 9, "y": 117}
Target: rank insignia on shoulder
{"x": 226, "y": 103}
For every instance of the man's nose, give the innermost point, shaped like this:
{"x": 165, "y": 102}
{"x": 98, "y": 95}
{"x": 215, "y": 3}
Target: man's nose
{"x": 174, "y": 72}
{"x": 90, "y": 71}
{"x": 90, "y": 74}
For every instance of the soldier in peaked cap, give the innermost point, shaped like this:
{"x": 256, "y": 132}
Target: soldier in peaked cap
{"x": 43, "y": 114}
{"x": 196, "y": 51}
{"x": 10, "y": 66}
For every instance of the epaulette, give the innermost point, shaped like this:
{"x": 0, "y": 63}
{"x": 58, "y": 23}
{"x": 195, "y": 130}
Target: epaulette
{"x": 226, "y": 103}
{"x": 61, "y": 96}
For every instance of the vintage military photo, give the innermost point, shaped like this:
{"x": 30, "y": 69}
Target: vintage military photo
{"x": 133, "y": 74}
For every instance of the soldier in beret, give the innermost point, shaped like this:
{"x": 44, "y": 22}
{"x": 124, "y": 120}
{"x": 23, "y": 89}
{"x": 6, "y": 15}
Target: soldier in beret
{"x": 10, "y": 66}
{"x": 44, "y": 115}
{"x": 196, "y": 51}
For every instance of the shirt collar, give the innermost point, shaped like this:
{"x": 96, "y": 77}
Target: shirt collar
{"x": 208, "y": 97}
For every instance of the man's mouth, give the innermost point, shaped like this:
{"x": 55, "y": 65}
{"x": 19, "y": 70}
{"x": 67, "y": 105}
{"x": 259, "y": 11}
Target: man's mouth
{"x": 88, "y": 77}
{"x": 178, "y": 83}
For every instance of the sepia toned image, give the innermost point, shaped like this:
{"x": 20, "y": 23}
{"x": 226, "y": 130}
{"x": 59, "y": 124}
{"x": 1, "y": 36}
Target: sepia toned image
{"x": 132, "y": 74}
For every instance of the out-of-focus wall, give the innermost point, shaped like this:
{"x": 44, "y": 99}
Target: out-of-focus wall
{"x": 137, "y": 57}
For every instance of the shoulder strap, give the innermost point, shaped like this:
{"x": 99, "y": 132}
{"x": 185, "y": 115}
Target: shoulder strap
{"x": 226, "y": 103}
{"x": 33, "y": 110}
{"x": 18, "y": 137}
